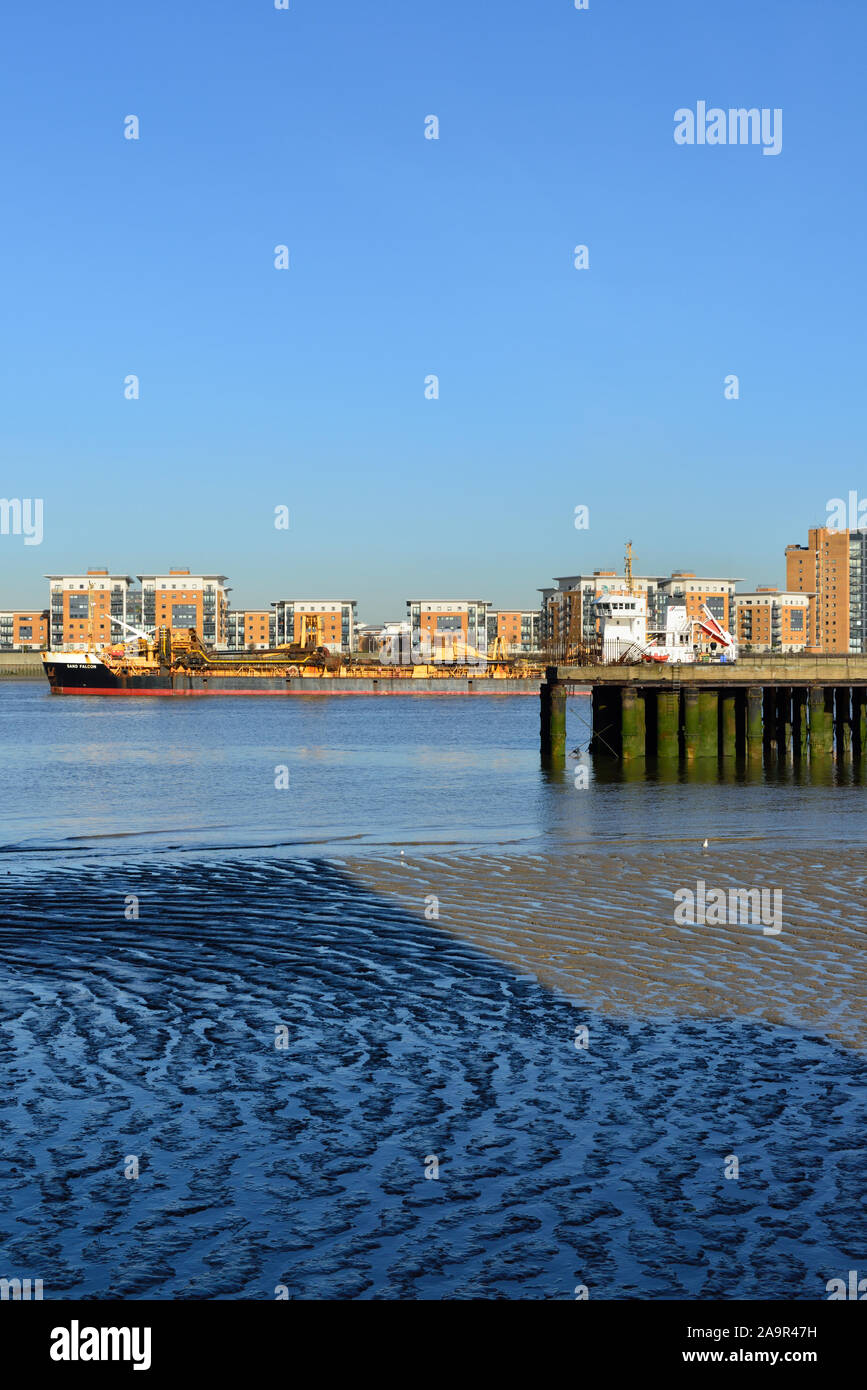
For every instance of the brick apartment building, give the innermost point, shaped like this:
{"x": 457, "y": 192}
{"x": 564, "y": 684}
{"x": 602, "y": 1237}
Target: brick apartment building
{"x": 82, "y": 606}
{"x": 336, "y": 619}
{"x": 820, "y": 569}
{"x": 179, "y": 600}
{"x": 770, "y": 620}
{"x": 449, "y": 625}
{"x": 251, "y": 628}
{"x": 22, "y": 631}
{"x": 517, "y": 629}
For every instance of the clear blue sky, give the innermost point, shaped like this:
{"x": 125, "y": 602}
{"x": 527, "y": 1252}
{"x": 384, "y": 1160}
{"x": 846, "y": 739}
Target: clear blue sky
{"x": 408, "y": 257}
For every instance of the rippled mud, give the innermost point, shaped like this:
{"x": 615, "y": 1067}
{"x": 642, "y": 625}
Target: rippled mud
{"x": 600, "y": 927}
{"x": 407, "y": 1040}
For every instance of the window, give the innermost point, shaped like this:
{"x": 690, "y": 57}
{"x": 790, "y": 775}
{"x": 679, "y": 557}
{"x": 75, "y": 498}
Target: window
{"x": 183, "y": 615}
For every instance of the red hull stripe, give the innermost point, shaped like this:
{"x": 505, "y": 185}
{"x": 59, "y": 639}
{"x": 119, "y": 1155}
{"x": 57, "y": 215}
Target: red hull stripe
{"x": 222, "y": 694}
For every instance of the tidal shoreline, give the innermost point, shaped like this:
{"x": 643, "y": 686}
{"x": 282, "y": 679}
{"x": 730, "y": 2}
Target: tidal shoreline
{"x": 282, "y": 1047}
{"x": 600, "y": 927}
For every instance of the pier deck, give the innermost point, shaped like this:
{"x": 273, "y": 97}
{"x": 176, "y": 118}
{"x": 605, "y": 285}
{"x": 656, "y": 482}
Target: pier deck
{"x": 784, "y": 705}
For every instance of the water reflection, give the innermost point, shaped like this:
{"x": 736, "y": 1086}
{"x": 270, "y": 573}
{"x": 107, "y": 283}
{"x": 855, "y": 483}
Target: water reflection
{"x": 817, "y": 771}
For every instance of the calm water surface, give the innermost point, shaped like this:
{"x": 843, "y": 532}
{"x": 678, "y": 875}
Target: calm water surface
{"x": 267, "y": 915}
{"x": 81, "y": 774}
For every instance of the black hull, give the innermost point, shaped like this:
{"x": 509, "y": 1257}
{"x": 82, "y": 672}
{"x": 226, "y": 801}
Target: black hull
{"x": 71, "y": 678}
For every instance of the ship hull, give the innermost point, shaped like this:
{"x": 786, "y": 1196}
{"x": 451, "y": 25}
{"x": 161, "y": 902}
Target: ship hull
{"x": 89, "y": 676}
{"x": 93, "y": 677}
{"x": 85, "y": 676}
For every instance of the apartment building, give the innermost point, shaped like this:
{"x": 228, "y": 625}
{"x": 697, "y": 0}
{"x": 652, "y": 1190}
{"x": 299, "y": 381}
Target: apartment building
{"x": 696, "y": 593}
{"x": 517, "y": 629}
{"x": 179, "y": 600}
{"x": 444, "y": 626}
{"x": 767, "y": 619}
{"x": 568, "y": 614}
{"x": 858, "y": 591}
{"x": 820, "y": 569}
{"x": 249, "y": 629}
{"x": 22, "y": 631}
{"x": 82, "y": 606}
{"x": 336, "y": 620}
{"x": 561, "y": 612}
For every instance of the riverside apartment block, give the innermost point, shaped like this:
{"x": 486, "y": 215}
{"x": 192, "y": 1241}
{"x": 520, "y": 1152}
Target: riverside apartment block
{"x": 441, "y": 625}
{"x": 568, "y": 614}
{"x": 23, "y": 631}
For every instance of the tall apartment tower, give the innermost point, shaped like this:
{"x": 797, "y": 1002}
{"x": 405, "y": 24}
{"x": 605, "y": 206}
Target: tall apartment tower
{"x": 821, "y": 569}
{"x": 858, "y": 591}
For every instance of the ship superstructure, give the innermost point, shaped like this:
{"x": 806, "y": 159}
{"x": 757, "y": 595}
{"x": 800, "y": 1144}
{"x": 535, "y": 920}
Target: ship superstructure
{"x": 624, "y": 634}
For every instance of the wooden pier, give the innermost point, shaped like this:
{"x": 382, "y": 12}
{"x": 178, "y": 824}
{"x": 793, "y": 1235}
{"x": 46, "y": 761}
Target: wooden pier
{"x": 785, "y": 706}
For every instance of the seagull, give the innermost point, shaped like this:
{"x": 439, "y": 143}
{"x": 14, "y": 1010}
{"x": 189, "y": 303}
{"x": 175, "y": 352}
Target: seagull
{"x": 704, "y": 846}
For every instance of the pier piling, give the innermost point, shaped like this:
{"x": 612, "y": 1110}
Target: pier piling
{"x": 842, "y": 722}
{"x": 728, "y": 723}
{"x": 769, "y": 720}
{"x": 708, "y": 723}
{"x": 667, "y": 724}
{"x": 633, "y": 723}
{"x": 784, "y": 722}
{"x": 690, "y": 724}
{"x": 821, "y": 720}
{"x": 859, "y": 719}
{"x": 783, "y": 708}
{"x": 800, "y": 725}
{"x": 552, "y": 700}
{"x": 754, "y": 721}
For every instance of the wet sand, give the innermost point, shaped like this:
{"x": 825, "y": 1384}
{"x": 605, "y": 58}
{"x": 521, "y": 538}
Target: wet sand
{"x": 599, "y": 928}
{"x": 304, "y": 1166}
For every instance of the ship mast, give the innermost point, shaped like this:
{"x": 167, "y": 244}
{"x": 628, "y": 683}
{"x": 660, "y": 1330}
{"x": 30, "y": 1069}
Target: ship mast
{"x": 91, "y": 613}
{"x": 629, "y": 585}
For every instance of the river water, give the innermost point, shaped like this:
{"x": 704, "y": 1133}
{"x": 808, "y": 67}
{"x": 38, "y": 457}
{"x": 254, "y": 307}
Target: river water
{"x": 269, "y": 965}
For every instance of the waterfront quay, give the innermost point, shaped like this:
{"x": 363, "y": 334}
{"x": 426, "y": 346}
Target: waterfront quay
{"x": 21, "y": 666}
{"x": 788, "y": 706}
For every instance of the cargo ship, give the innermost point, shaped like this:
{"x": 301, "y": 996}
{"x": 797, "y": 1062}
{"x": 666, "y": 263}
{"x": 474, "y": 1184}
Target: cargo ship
{"x": 176, "y": 663}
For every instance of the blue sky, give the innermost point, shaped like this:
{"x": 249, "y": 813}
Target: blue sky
{"x": 305, "y": 388}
